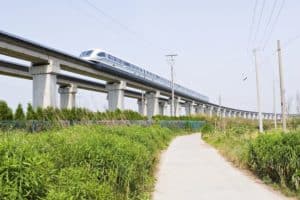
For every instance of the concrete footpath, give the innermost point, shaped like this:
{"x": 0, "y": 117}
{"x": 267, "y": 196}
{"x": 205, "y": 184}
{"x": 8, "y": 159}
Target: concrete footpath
{"x": 192, "y": 170}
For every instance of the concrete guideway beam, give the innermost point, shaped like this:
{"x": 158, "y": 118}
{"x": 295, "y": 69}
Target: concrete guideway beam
{"x": 68, "y": 96}
{"x": 22, "y": 53}
{"x": 115, "y": 95}
{"x": 152, "y": 99}
{"x": 44, "y": 84}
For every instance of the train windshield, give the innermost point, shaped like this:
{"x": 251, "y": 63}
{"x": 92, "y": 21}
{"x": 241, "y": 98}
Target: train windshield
{"x": 101, "y": 54}
{"x": 86, "y": 53}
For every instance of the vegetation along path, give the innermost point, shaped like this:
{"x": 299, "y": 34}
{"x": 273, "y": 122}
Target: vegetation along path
{"x": 191, "y": 169}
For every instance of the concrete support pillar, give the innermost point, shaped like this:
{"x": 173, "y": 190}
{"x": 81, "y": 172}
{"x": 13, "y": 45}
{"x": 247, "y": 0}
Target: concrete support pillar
{"x": 254, "y": 116}
{"x": 177, "y": 106}
{"x": 219, "y": 112}
{"x": 211, "y": 110}
{"x": 280, "y": 117}
{"x": 142, "y": 107}
{"x": 115, "y": 95}
{"x": 202, "y": 109}
{"x": 224, "y": 113}
{"x": 247, "y": 115}
{"x": 44, "y": 84}
{"x": 240, "y": 114}
{"x": 161, "y": 107}
{"x": 189, "y": 108}
{"x": 152, "y": 99}
{"x": 237, "y": 114}
{"x": 233, "y": 114}
{"x": 251, "y": 116}
{"x": 68, "y": 96}
{"x": 229, "y": 114}
{"x": 197, "y": 109}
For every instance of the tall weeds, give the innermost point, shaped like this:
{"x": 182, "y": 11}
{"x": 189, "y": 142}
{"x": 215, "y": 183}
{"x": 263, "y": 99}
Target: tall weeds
{"x": 81, "y": 162}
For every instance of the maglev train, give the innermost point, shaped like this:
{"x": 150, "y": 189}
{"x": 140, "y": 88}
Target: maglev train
{"x": 98, "y": 55}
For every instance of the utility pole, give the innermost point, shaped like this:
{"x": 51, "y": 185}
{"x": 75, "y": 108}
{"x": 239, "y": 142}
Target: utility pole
{"x": 171, "y": 59}
{"x": 274, "y": 105}
{"x": 220, "y": 105}
{"x": 282, "y": 88}
{"x": 261, "y": 130}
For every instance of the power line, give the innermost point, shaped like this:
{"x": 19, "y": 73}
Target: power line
{"x": 121, "y": 25}
{"x": 259, "y": 20}
{"x": 274, "y": 24}
{"x": 252, "y": 24}
{"x": 269, "y": 20}
{"x": 291, "y": 41}
{"x": 90, "y": 15}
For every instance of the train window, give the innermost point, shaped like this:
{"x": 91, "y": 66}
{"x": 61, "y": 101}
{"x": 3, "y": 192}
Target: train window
{"x": 101, "y": 54}
{"x": 86, "y": 53}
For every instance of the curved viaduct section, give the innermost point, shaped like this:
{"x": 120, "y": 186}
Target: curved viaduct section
{"x": 46, "y": 69}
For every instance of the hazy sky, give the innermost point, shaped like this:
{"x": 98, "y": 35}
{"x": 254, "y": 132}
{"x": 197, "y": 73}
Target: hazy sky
{"x": 210, "y": 37}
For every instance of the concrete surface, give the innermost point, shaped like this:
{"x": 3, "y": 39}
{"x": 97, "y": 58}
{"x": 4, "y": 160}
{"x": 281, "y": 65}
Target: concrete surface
{"x": 192, "y": 170}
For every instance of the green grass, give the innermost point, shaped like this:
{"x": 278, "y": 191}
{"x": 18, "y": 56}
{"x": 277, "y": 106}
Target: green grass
{"x": 274, "y": 156}
{"x": 81, "y": 162}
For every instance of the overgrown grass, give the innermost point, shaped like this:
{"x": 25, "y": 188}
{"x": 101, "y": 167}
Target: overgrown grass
{"x": 81, "y": 162}
{"x": 274, "y": 156}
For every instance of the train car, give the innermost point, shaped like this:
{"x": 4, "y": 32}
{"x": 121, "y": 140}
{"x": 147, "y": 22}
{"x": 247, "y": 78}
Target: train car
{"x": 100, "y": 56}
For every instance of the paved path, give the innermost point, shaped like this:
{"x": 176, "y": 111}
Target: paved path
{"x": 192, "y": 170}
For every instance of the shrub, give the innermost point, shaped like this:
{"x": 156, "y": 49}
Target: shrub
{"x": 30, "y": 114}
{"x": 19, "y": 115}
{"x": 276, "y": 156}
{"x": 207, "y": 128}
{"x": 5, "y": 112}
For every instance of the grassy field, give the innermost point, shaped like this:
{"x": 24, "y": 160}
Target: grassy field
{"x": 274, "y": 156}
{"x": 81, "y": 162}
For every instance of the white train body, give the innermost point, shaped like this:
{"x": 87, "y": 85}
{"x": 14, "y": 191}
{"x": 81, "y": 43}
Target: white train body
{"x": 98, "y": 55}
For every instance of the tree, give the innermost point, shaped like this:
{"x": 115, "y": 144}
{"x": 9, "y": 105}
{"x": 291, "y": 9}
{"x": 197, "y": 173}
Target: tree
{"x": 30, "y": 114}
{"x": 5, "y": 112}
{"x": 19, "y": 115}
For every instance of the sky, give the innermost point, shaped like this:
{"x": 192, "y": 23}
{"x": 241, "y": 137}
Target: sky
{"x": 213, "y": 39}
